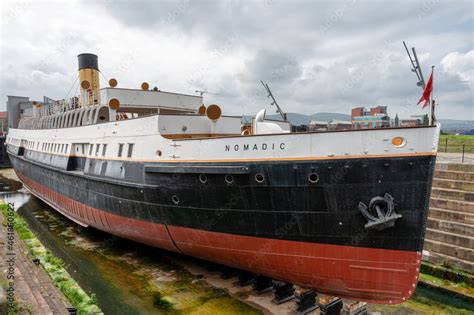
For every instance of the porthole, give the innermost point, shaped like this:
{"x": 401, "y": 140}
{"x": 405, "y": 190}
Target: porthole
{"x": 229, "y": 179}
{"x": 313, "y": 178}
{"x": 203, "y": 178}
{"x": 399, "y": 142}
{"x": 158, "y": 152}
{"x": 175, "y": 199}
{"x": 259, "y": 178}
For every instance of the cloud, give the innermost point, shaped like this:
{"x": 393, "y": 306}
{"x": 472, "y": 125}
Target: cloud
{"x": 316, "y": 55}
{"x": 461, "y": 65}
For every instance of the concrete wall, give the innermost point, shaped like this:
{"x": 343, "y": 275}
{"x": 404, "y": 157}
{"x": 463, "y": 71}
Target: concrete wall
{"x": 450, "y": 230}
{"x": 13, "y": 109}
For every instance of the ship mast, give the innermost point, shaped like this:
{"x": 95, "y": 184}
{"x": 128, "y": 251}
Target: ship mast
{"x": 274, "y": 102}
{"x": 421, "y": 81}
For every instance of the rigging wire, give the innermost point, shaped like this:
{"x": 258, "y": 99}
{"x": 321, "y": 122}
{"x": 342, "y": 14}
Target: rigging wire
{"x": 75, "y": 81}
{"x": 77, "y": 89}
{"x": 106, "y": 80}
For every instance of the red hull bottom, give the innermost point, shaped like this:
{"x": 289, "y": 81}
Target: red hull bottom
{"x": 366, "y": 274}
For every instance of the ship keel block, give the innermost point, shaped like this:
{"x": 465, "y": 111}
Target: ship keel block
{"x": 368, "y": 274}
{"x": 145, "y": 232}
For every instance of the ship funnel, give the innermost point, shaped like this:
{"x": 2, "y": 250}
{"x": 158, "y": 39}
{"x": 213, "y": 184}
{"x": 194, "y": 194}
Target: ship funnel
{"x": 89, "y": 79}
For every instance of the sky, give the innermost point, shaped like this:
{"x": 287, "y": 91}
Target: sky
{"x": 316, "y": 56}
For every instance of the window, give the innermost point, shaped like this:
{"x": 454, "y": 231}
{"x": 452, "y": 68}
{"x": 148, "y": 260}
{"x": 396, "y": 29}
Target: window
{"x": 130, "y": 150}
{"x": 67, "y": 147}
{"x": 120, "y": 150}
{"x": 104, "y": 148}
{"x": 91, "y": 146}
{"x": 97, "y": 146}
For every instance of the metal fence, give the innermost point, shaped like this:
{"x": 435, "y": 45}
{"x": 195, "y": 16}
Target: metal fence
{"x": 457, "y": 144}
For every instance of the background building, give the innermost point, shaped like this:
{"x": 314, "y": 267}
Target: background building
{"x": 317, "y": 125}
{"x": 15, "y": 107}
{"x": 337, "y": 124}
{"x": 375, "y": 117}
{"x": 3, "y": 123}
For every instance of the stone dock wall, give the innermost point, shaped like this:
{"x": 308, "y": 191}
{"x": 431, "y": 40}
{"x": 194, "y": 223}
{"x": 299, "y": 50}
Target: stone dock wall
{"x": 450, "y": 230}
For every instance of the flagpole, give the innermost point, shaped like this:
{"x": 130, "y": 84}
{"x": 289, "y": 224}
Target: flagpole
{"x": 432, "y": 105}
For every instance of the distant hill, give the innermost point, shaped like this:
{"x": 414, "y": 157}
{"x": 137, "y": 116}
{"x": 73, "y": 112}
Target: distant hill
{"x": 456, "y": 125}
{"x": 330, "y": 116}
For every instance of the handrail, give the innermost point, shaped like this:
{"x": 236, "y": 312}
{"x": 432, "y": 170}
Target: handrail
{"x": 63, "y": 105}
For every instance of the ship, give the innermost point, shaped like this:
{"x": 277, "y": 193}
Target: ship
{"x": 342, "y": 212}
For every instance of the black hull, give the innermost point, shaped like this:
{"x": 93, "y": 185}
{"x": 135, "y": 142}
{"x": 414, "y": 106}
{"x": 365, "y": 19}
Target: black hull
{"x": 285, "y": 206}
{"x": 285, "y": 227}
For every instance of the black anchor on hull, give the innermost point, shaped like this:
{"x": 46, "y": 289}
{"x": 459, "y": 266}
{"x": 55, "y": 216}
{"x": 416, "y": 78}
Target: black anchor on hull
{"x": 380, "y": 213}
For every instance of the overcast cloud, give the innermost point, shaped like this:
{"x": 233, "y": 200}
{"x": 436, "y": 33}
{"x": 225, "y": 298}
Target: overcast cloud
{"x": 317, "y": 56}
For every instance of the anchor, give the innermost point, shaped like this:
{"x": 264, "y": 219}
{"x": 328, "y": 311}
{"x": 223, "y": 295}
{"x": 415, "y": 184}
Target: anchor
{"x": 380, "y": 214}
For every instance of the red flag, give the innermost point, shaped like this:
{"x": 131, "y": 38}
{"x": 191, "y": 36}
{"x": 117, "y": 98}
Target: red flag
{"x": 427, "y": 92}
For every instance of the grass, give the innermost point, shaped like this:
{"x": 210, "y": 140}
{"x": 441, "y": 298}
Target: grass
{"x": 455, "y": 143}
{"x": 54, "y": 267}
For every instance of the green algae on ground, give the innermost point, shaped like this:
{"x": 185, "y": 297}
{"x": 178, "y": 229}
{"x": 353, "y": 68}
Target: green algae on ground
{"x": 427, "y": 301}
{"x": 459, "y": 287}
{"x": 54, "y": 267}
{"x": 167, "y": 287}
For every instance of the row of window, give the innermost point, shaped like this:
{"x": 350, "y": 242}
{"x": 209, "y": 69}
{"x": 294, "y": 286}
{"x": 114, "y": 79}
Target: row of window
{"x": 129, "y": 151}
{"x": 47, "y": 147}
{"x": 95, "y": 149}
{"x": 54, "y": 147}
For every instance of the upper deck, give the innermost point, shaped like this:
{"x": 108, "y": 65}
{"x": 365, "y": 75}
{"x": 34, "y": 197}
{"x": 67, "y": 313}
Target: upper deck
{"x": 105, "y": 105}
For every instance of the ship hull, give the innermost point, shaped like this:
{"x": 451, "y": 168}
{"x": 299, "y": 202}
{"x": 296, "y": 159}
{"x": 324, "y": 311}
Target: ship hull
{"x": 286, "y": 228}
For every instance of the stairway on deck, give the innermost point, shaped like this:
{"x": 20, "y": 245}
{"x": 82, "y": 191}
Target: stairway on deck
{"x": 449, "y": 236}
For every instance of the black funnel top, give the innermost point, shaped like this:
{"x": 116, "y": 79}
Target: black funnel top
{"x": 88, "y": 61}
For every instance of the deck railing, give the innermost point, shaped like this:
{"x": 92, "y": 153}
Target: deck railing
{"x": 92, "y": 98}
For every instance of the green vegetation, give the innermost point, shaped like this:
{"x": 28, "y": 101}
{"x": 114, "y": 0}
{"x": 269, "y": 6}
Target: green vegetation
{"x": 54, "y": 267}
{"x": 170, "y": 288}
{"x": 161, "y": 303}
{"x": 455, "y": 143}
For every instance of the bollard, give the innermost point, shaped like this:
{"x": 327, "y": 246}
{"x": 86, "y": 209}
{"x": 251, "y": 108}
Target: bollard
{"x": 463, "y": 148}
{"x": 446, "y": 145}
